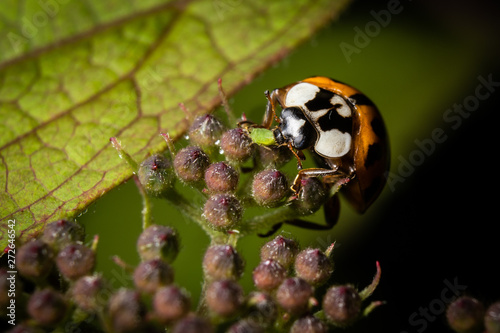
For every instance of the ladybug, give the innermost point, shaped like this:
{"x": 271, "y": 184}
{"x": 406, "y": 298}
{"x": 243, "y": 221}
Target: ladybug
{"x": 341, "y": 127}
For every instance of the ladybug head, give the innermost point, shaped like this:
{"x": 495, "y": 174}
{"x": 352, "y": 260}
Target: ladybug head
{"x": 295, "y": 128}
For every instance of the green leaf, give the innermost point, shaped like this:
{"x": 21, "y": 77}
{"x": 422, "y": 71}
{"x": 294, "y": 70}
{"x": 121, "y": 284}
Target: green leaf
{"x": 75, "y": 73}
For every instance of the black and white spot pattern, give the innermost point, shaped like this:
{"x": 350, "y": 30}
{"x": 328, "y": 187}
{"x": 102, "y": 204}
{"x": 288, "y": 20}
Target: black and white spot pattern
{"x": 329, "y": 112}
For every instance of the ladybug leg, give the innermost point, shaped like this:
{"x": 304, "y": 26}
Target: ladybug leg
{"x": 272, "y": 101}
{"x": 274, "y": 228}
{"x": 330, "y": 176}
{"x": 331, "y": 210}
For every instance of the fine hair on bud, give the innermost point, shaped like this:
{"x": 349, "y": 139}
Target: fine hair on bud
{"x": 205, "y": 131}
{"x": 190, "y": 164}
{"x": 222, "y": 262}
{"x": 342, "y": 305}
{"x": 158, "y": 241}
{"x": 156, "y": 174}
{"x": 270, "y": 188}
{"x": 90, "y": 293}
{"x": 309, "y": 324}
{"x": 237, "y": 145}
{"x": 281, "y": 249}
{"x": 313, "y": 266}
{"x": 152, "y": 274}
{"x": 224, "y": 297}
{"x": 34, "y": 260}
{"x": 75, "y": 260}
{"x": 312, "y": 195}
{"x": 221, "y": 177}
{"x": 293, "y": 295}
{"x": 171, "y": 303}
{"x": 223, "y": 211}
{"x": 268, "y": 275}
{"x": 60, "y": 233}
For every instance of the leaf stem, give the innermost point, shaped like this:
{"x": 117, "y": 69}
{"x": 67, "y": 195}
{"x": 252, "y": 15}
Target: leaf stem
{"x": 267, "y": 220}
{"x": 147, "y": 219}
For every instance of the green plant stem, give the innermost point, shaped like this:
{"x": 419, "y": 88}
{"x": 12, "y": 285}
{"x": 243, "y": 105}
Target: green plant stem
{"x": 266, "y": 221}
{"x": 194, "y": 214}
{"x": 147, "y": 218}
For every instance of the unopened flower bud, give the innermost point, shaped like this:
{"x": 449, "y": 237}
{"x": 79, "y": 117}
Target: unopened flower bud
{"x": 156, "y": 174}
{"x": 465, "y": 315}
{"x": 222, "y": 262}
{"x": 262, "y": 308}
{"x": 88, "y": 292}
{"x": 190, "y": 164}
{"x": 492, "y": 318}
{"x": 281, "y": 249}
{"x": 153, "y": 274}
{"x": 158, "y": 241}
{"x": 273, "y": 157}
{"x": 223, "y": 211}
{"x": 309, "y": 324}
{"x": 205, "y": 131}
{"x": 221, "y": 177}
{"x": 127, "y": 311}
{"x": 293, "y": 295}
{"x": 224, "y": 297}
{"x": 60, "y": 233}
{"x": 270, "y": 188}
{"x": 237, "y": 146}
{"x": 75, "y": 260}
{"x": 313, "y": 266}
{"x": 48, "y": 307}
{"x": 245, "y": 326}
{"x": 268, "y": 275}
{"x": 342, "y": 305}
{"x": 312, "y": 195}
{"x": 171, "y": 303}
{"x": 34, "y": 259}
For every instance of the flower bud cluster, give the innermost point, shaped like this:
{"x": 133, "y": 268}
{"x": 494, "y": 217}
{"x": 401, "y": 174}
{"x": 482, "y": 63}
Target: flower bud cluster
{"x": 232, "y": 173}
{"x": 225, "y": 168}
{"x": 467, "y": 314}
{"x": 42, "y": 262}
{"x": 291, "y": 275}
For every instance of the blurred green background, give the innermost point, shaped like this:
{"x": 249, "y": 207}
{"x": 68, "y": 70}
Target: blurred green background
{"x": 436, "y": 221}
